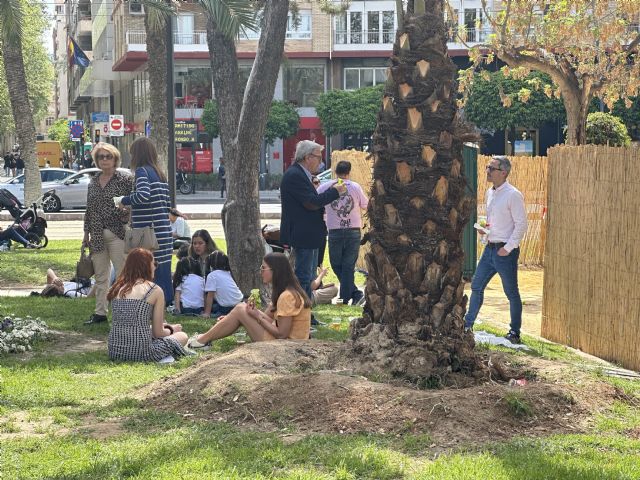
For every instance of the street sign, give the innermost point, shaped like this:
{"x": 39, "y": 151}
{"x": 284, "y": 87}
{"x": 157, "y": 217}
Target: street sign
{"x": 99, "y": 117}
{"x": 186, "y": 132}
{"x": 116, "y": 125}
{"x": 76, "y": 130}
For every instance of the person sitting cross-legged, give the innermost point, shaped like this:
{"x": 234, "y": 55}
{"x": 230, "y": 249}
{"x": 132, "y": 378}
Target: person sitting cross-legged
{"x": 290, "y": 318}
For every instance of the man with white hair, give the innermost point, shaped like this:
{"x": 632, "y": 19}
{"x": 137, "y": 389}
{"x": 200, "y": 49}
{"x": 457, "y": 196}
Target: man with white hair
{"x": 302, "y": 224}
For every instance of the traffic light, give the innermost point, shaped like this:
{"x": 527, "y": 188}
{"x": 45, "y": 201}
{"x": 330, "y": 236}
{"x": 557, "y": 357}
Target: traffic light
{"x": 96, "y": 137}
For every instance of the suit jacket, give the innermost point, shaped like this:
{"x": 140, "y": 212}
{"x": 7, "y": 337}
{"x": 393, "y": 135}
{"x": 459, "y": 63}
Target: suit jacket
{"x": 302, "y": 219}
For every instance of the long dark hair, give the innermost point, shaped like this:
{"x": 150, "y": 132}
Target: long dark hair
{"x": 206, "y": 237}
{"x": 184, "y": 267}
{"x": 137, "y": 267}
{"x": 143, "y": 154}
{"x": 283, "y": 278}
{"x": 218, "y": 261}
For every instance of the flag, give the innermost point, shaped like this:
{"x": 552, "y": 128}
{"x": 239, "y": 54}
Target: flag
{"x": 76, "y": 55}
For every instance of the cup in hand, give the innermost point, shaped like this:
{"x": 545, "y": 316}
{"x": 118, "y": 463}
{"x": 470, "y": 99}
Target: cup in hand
{"x": 117, "y": 201}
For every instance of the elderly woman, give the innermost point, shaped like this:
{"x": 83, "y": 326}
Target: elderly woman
{"x": 150, "y": 205}
{"x": 104, "y": 223}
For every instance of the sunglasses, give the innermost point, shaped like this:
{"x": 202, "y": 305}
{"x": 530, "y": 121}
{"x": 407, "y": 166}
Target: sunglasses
{"x": 104, "y": 156}
{"x": 492, "y": 169}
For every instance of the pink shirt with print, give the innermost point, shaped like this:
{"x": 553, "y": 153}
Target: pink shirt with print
{"x": 345, "y": 211}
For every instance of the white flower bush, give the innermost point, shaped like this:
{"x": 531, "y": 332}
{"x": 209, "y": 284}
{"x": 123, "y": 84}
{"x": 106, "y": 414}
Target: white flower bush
{"x": 18, "y": 334}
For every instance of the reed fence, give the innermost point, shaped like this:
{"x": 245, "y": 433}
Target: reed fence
{"x": 591, "y": 299}
{"x": 529, "y": 175}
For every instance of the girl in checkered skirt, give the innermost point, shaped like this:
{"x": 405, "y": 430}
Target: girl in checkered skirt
{"x": 138, "y": 331}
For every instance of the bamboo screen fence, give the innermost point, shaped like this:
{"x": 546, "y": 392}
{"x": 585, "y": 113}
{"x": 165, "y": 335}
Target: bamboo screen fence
{"x": 591, "y": 299}
{"x": 529, "y": 175}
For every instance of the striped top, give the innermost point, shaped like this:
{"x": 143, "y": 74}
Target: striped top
{"x": 150, "y": 204}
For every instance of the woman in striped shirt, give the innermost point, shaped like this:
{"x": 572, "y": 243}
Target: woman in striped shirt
{"x": 150, "y": 205}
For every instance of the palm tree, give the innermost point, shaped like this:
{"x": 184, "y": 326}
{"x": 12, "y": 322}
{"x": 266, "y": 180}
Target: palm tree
{"x": 11, "y": 31}
{"x": 413, "y": 319}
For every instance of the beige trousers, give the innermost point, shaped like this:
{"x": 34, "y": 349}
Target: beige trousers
{"x": 113, "y": 253}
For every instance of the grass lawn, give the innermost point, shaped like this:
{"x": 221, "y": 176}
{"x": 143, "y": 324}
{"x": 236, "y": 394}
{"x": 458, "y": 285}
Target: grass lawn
{"x": 74, "y": 415}
{"x": 53, "y": 409}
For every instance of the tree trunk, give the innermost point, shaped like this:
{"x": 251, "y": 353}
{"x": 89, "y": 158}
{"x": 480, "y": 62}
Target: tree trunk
{"x": 412, "y": 323}
{"x": 22, "y": 117}
{"x": 157, "y": 68}
{"x": 577, "y": 112}
{"x": 242, "y": 123}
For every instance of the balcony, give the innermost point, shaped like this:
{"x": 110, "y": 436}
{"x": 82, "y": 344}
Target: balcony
{"x": 182, "y": 42}
{"x": 470, "y": 35}
{"x": 342, "y": 37}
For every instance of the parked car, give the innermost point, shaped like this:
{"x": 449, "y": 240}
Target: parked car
{"x": 325, "y": 176}
{"x": 16, "y": 184}
{"x": 70, "y": 192}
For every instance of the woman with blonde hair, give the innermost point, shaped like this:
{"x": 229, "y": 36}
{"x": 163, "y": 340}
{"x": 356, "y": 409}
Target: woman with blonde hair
{"x": 150, "y": 204}
{"x": 104, "y": 223}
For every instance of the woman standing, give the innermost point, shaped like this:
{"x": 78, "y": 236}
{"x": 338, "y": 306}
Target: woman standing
{"x": 150, "y": 205}
{"x": 137, "y": 304}
{"x": 104, "y": 223}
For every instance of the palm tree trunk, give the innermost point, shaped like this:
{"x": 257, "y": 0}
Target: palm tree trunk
{"x": 413, "y": 319}
{"x": 157, "y": 68}
{"x": 22, "y": 116}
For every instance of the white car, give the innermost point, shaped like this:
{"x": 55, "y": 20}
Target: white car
{"x": 70, "y": 192}
{"x": 16, "y": 184}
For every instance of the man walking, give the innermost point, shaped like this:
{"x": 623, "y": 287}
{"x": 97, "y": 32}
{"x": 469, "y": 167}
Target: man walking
{"x": 344, "y": 221}
{"x": 222, "y": 177}
{"x": 506, "y": 224}
{"x": 302, "y": 225}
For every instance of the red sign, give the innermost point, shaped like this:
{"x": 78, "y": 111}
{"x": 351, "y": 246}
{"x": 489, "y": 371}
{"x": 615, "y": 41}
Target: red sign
{"x": 129, "y": 127}
{"x": 116, "y": 124}
{"x": 204, "y": 161}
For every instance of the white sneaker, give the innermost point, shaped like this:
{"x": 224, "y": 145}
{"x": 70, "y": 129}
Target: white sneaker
{"x": 194, "y": 344}
{"x": 167, "y": 359}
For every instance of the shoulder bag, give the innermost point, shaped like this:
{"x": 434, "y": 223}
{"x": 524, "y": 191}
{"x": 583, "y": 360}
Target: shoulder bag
{"x": 84, "y": 266}
{"x": 143, "y": 237}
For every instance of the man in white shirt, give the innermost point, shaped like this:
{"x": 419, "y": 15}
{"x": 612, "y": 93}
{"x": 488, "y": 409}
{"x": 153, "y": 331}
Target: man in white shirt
{"x": 506, "y": 225}
{"x": 180, "y": 230}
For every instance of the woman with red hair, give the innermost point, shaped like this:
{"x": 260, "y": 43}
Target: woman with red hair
{"x": 138, "y": 331}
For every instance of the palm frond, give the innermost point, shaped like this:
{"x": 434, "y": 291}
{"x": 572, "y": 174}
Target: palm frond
{"x": 11, "y": 20}
{"x": 157, "y": 12}
{"x": 231, "y": 16}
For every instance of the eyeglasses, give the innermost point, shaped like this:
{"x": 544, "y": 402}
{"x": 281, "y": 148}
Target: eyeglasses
{"x": 263, "y": 268}
{"x": 491, "y": 169}
{"x": 104, "y": 156}
{"x": 315, "y": 155}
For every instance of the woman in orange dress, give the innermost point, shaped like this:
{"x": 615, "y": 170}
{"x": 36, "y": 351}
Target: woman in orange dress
{"x": 290, "y": 318}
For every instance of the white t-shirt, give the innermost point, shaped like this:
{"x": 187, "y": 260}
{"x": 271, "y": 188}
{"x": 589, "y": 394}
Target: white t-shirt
{"x": 181, "y": 228}
{"x": 227, "y": 292}
{"x": 76, "y": 290}
{"x": 192, "y": 291}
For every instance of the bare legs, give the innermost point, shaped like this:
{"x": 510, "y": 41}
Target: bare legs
{"x": 228, "y": 324}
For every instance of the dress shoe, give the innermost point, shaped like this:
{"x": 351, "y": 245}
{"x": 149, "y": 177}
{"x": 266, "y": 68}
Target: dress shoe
{"x": 95, "y": 318}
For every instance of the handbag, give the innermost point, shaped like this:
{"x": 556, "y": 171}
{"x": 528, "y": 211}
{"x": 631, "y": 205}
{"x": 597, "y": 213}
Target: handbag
{"x": 84, "y": 266}
{"x": 144, "y": 237}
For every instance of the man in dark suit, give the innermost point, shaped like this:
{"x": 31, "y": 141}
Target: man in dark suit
{"x": 302, "y": 224}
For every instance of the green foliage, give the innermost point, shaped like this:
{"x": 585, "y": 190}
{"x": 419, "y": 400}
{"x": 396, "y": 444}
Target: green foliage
{"x": 630, "y": 115}
{"x": 283, "y": 120}
{"x": 209, "y": 118}
{"x": 606, "y": 129}
{"x": 485, "y": 107}
{"x": 60, "y": 131}
{"x": 37, "y": 64}
{"x": 355, "y": 111}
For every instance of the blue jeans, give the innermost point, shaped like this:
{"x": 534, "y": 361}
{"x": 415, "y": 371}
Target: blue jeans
{"x": 344, "y": 245}
{"x": 190, "y": 311}
{"x": 507, "y": 267}
{"x": 306, "y": 267}
{"x": 12, "y": 234}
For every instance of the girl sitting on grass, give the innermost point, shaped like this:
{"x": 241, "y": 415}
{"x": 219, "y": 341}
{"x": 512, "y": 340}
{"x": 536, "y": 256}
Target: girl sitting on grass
{"x": 222, "y": 293}
{"x": 202, "y": 245}
{"x": 188, "y": 288}
{"x": 290, "y": 318}
{"x": 137, "y": 303}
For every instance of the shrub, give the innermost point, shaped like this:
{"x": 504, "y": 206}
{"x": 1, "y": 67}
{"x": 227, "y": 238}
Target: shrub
{"x": 606, "y": 129}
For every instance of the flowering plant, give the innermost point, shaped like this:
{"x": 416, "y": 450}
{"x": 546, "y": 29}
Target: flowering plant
{"x": 17, "y": 335}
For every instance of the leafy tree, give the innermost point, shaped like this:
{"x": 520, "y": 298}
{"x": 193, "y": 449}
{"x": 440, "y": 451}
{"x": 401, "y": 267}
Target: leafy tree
{"x": 283, "y": 120}
{"x": 412, "y": 323}
{"x": 12, "y": 35}
{"x": 355, "y": 111}
{"x": 588, "y": 48}
{"x": 630, "y": 116}
{"x": 606, "y": 129}
{"x": 529, "y": 107}
{"x": 60, "y": 131}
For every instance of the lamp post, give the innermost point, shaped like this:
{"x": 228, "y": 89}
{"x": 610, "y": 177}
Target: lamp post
{"x": 171, "y": 153}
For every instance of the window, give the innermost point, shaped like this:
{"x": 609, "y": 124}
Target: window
{"x": 379, "y": 27}
{"x": 303, "y": 84}
{"x": 49, "y": 121}
{"x": 303, "y": 29}
{"x": 136, "y": 8}
{"x": 451, "y": 21}
{"x": 184, "y": 27}
{"x": 360, "y": 77}
{"x": 470, "y": 16}
{"x": 355, "y": 25}
{"x": 54, "y": 175}
{"x": 59, "y": 9}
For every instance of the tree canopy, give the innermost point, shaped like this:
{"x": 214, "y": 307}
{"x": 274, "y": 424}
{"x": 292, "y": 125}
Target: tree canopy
{"x": 354, "y": 111}
{"x": 529, "y": 106}
{"x": 282, "y": 122}
{"x": 589, "y": 48}
{"x": 59, "y": 131}
{"x": 606, "y": 129}
{"x": 38, "y": 69}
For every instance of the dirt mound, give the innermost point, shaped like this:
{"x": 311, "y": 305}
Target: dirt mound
{"x": 311, "y": 387}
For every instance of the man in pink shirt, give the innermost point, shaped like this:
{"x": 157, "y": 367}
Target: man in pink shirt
{"x": 344, "y": 221}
